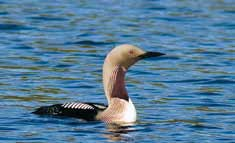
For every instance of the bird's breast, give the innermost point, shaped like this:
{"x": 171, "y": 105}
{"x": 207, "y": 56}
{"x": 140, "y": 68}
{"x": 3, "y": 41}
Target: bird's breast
{"x": 118, "y": 111}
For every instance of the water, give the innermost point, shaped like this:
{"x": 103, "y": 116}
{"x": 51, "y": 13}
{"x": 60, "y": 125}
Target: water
{"x": 53, "y": 51}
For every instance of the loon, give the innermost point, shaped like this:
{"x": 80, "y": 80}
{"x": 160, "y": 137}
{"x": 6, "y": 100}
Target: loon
{"x": 120, "y": 108}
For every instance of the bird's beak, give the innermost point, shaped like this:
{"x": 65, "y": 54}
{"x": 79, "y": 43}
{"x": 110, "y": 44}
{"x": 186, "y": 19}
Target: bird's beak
{"x": 150, "y": 54}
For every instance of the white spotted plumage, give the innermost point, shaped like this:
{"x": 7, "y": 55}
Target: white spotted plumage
{"x": 77, "y": 106}
{"x": 74, "y": 105}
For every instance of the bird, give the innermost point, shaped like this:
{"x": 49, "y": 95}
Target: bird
{"x": 120, "y": 108}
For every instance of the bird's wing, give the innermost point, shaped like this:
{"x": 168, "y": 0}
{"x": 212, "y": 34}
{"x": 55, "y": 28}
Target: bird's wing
{"x": 86, "y": 111}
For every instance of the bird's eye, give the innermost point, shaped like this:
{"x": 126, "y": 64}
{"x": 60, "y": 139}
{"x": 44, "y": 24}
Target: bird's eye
{"x": 131, "y": 52}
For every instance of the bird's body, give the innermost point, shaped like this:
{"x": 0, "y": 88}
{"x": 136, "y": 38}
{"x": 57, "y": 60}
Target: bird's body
{"x": 120, "y": 108}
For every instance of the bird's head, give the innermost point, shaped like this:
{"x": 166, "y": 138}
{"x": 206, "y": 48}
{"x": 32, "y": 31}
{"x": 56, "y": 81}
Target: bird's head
{"x": 127, "y": 55}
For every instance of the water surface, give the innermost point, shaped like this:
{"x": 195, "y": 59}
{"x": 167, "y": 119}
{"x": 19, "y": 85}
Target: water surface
{"x": 53, "y": 51}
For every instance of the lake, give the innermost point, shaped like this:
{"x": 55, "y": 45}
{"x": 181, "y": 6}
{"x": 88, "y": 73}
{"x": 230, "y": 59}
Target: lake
{"x": 53, "y": 51}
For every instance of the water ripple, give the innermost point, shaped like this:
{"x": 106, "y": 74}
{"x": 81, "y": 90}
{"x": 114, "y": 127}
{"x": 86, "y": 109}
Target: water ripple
{"x": 88, "y": 42}
{"x": 14, "y": 27}
{"x": 52, "y": 52}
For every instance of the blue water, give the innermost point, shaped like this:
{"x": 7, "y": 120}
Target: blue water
{"x": 53, "y": 51}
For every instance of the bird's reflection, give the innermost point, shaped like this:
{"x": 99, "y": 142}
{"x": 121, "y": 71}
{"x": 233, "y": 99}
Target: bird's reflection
{"x": 117, "y": 132}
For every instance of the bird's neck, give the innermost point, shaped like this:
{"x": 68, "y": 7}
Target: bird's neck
{"x": 114, "y": 81}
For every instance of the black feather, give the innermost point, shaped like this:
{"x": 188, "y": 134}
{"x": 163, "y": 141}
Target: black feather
{"x": 89, "y": 113}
